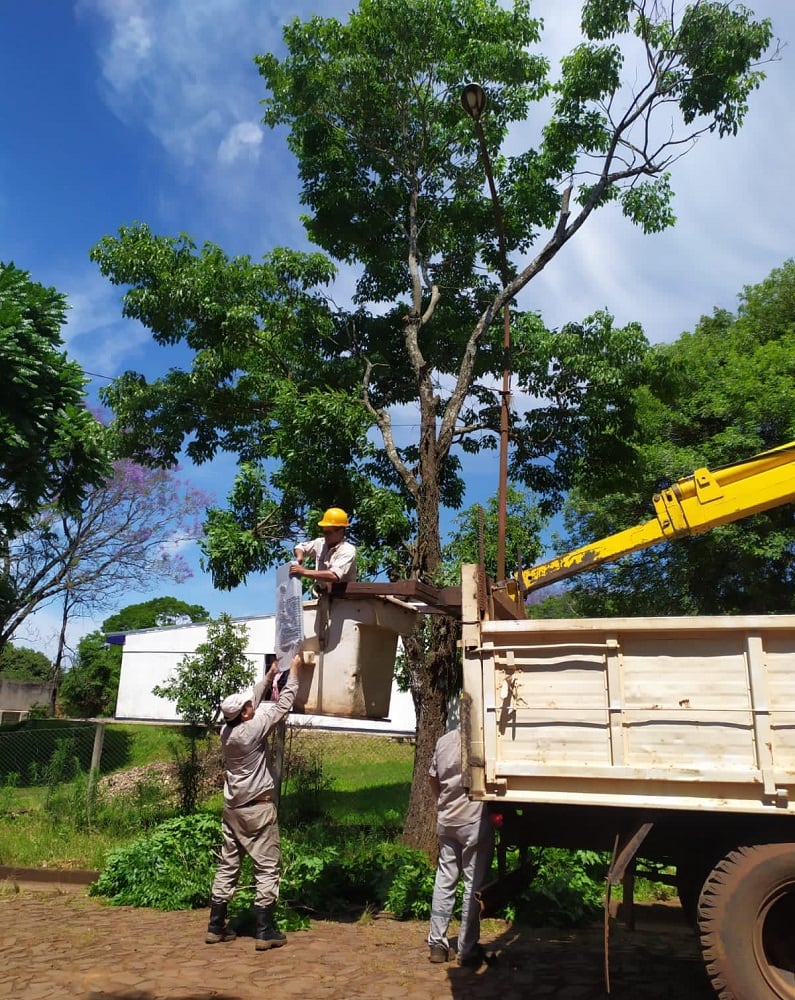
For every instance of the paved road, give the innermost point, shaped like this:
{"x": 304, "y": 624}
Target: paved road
{"x": 59, "y": 944}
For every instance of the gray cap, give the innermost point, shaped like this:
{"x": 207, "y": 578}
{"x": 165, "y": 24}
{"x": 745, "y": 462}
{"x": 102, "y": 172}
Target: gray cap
{"x": 233, "y": 705}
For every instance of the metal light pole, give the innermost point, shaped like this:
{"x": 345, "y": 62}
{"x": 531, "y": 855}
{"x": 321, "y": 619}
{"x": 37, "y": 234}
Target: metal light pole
{"x": 473, "y": 100}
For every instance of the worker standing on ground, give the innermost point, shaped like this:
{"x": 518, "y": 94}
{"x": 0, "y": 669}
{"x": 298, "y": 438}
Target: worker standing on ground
{"x": 466, "y": 841}
{"x": 334, "y": 556}
{"x": 249, "y": 824}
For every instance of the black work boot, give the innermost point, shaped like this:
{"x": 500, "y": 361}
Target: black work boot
{"x": 217, "y": 929}
{"x": 267, "y": 934}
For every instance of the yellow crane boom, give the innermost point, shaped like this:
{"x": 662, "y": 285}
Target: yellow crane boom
{"x": 691, "y": 505}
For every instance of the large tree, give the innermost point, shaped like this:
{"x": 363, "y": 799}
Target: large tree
{"x": 392, "y": 182}
{"x": 155, "y": 613}
{"x": 24, "y": 664}
{"x": 716, "y": 395}
{"x": 52, "y": 447}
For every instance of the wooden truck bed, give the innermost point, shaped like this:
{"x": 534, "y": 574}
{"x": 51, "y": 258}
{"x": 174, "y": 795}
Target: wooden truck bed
{"x": 681, "y": 713}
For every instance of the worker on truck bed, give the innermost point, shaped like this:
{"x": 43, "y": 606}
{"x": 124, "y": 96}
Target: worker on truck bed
{"x": 466, "y": 841}
{"x": 249, "y": 824}
{"x": 334, "y": 556}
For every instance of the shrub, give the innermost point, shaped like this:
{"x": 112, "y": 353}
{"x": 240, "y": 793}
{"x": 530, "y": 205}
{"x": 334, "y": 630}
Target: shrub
{"x": 328, "y": 870}
{"x": 173, "y": 868}
{"x": 566, "y": 891}
{"x": 189, "y": 769}
{"x": 303, "y": 782}
{"x": 170, "y": 869}
{"x": 411, "y": 890}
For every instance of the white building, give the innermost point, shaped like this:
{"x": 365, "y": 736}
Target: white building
{"x": 150, "y": 657}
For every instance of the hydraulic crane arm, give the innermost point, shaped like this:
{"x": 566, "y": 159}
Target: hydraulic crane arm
{"x": 688, "y": 507}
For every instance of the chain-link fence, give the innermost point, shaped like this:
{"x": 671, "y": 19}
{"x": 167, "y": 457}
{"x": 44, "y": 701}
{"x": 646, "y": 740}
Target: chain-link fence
{"x": 37, "y": 753}
{"x": 106, "y": 776}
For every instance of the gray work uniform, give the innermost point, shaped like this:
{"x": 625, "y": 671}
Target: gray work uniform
{"x": 249, "y": 824}
{"x": 466, "y": 840}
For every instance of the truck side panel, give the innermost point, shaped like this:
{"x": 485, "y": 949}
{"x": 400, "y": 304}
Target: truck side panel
{"x": 694, "y": 713}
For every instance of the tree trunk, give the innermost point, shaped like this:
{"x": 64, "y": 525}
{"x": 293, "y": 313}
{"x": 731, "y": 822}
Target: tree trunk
{"x": 57, "y": 670}
{"x": 431, "y": 652}
{"x": 432, "y": 658}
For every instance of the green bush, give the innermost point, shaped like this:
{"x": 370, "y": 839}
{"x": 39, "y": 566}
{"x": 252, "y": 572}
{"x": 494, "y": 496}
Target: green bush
{"x": 567, "y": 890}
{"x": 411, "y": 890}
{"x": 328, "y": 870}
{"x": 170, "y": 869}
{"x": 173, "y": 868}
{"x": 304, "y": 782}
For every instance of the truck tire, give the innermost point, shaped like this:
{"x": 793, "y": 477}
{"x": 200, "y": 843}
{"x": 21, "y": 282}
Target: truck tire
{"x": 746, "y": 916}
{"x": 691, "y": 874}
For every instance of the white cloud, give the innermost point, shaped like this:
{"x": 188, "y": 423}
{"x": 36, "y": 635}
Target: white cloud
{"x": 734, "y": 217}
{"x": 178, "y": 67}
{"x": 96, "y": 334}
{"x": 131, "y": 43}
{"x": 183, "y": 71}
{"x": 242, "y": 139}
{"x": 184, "y": 68}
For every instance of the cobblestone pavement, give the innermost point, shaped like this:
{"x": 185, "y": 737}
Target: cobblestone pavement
{"x": 59, "y": 944}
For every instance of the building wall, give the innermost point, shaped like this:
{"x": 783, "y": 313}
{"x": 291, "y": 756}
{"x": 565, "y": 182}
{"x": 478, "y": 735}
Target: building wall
{"x": 18, "y": 697}
{"x": 151, "y": 656}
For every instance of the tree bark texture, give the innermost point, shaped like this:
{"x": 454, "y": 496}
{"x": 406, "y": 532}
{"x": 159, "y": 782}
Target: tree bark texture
{"x": 432, "y": 657}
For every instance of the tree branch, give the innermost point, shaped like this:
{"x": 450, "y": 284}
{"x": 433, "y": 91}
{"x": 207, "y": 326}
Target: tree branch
{"x": 384, "y": 422}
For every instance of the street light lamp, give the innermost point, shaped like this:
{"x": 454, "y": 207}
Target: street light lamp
{"x": 473, "y": 101}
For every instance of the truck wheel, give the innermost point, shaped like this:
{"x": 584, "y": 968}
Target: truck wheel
{"x": 746, "y": 916}
{"x": 691, "y": 874}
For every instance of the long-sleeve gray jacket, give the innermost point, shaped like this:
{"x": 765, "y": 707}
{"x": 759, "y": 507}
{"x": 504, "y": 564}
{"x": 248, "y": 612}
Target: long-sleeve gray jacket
{"x": 245, "y": 748}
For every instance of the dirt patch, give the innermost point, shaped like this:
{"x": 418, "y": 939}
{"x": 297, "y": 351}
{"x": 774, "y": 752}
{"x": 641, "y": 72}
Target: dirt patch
{"x": 165, "y": 775}
{"x": 59, "y": 945}
{"x": 125, "y": 782}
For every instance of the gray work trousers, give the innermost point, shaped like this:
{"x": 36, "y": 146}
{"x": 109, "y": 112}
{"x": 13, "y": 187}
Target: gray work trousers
{"x": 464, "y": 851}
{"x": 253, "y": 830}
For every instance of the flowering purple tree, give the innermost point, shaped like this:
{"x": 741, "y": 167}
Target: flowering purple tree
{"x": 129, "y": 532}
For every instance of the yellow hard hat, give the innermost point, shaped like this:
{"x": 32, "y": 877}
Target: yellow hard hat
{"x": 335, "y": 517}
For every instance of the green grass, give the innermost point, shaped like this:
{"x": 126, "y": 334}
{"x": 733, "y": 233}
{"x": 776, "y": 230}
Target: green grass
{"x": 378, "y": 804}
{"x": 144, "y": 744}
{"x": 17, "y": 800}
{"x": 34, "y": 841}
{"x": 366, "y": 780}
{"x": 357, "y": 762}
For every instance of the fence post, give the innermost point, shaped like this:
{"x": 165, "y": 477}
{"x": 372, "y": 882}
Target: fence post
{"x": 96, "y": 753}
{"x": 277, "y": 760}
{"x": 93, "y": 774}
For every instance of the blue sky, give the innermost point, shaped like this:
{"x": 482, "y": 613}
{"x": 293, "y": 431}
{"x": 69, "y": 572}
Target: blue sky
{"x": 121, "y": 110}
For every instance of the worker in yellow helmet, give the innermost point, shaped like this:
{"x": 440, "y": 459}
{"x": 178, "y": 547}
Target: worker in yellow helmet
{"x": 334, "y": 556}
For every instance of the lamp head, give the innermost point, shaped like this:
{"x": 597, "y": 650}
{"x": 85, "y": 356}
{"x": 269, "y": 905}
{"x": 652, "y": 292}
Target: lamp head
{"x": 473, "y": 100}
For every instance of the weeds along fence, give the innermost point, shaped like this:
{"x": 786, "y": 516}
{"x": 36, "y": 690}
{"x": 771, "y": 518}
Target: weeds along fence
{"x": 48, "y": 751}
{"x": 73, "y": 769}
